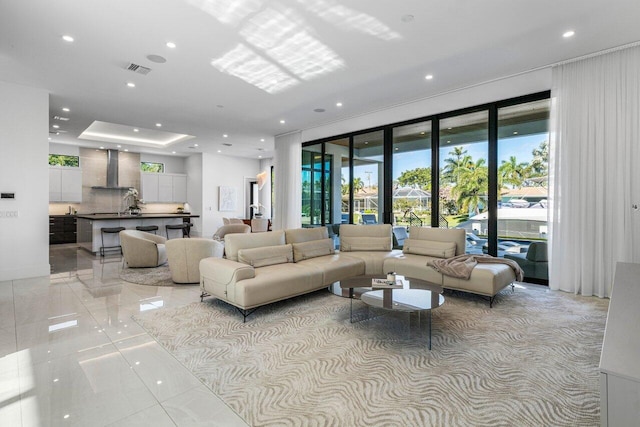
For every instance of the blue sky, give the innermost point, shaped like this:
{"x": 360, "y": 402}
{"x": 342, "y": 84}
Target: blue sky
{"x": 521, "y": 147}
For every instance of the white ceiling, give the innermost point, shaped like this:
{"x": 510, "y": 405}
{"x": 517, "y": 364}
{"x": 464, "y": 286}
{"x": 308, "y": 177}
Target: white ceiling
{"x": 294, "y": 56}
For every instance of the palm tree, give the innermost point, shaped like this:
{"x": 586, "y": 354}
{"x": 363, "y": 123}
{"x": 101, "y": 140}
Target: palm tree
{"x": 454, "y": 165}
{"x": 512, "y": 173}
{"x": 358, "y": 184}
{"x": 471, "y": 189}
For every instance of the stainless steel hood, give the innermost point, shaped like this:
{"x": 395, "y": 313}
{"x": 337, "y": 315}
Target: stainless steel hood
{"x": 112, "y": 173}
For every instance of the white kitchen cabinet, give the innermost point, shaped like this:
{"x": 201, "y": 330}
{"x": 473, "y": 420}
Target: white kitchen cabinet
{"x": 619, "y": 366}
{"x": 180, "y": 188}
{"x": 164, "y": 187}
{"x": 65, "y": 184}
{"x": 150, "y": 187}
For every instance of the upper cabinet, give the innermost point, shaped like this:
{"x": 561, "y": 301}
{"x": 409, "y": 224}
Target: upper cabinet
{"x": 65, "y": 184}
{"x": 164, "y": 187}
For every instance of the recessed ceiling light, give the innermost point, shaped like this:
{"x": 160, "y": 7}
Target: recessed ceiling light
{"x": 67, "y": 38}
{"x": 422, "y": 133}
{"x": 428, "y": 76}
{"x": 338, "y": 104}
{"x": 225, "y": 135}
{"x": 102, "y": 148}
{"x": 397, "y": 148}
{"x": 449, "y": 128}
{"x": 157, "y": 59}
{"x": 131, "y": 84}
{"x": 195, "y": 145}
{"x": 159, "y": 125}
{"x": 171, "y": 45}
{"x": 282, "y": 122}
{"x": 173, "y": 152}
{"x": 448, "y": 142}
{"x": 261, "y": 139}
{"x": 136, "y": 130}
{"x": 126, "y": 149}
{"x": 515, "y": 133}
{"x": 568, "y": 34}
{"x": 219, "y": 151}
{"x": 119, "y": 146}
{"x": 65, "y": 109}
{"x": 366, "y": 143}
{"x": 49, "y": 138}
{"x": 259, "y": 157}
{"x": 55, "y": 126}
{"x": 407, "y": 18}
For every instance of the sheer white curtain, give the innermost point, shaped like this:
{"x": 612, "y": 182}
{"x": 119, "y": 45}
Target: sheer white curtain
{"x": 594, "y": 170}
{"x": 287, "y": 170}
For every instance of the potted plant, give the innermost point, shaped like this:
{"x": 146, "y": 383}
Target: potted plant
{"x": 133, "y": 201}
{"x": 257, "y": 209}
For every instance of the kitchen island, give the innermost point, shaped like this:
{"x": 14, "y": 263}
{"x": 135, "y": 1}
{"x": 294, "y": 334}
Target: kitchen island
{"x": 89, "y": 225}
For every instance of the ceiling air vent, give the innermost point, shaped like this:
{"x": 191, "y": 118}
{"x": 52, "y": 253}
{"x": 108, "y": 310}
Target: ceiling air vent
{"x": 139, "y": 69}
{"x": 226, "y": 144}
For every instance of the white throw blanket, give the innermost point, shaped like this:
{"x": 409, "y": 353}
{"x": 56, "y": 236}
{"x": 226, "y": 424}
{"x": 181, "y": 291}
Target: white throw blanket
{"x": 461, "y": 266}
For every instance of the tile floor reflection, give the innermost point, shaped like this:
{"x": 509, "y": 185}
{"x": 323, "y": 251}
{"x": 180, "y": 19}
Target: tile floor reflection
{"x": 70, "y": 355}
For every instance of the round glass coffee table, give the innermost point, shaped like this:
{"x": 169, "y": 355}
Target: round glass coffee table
{"x": 405, "y": 300}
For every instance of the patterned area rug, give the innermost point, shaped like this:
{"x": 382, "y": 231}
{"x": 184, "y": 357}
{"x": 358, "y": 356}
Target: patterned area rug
{"x": 156, "y": 276}
{"x": 531, "y": 360}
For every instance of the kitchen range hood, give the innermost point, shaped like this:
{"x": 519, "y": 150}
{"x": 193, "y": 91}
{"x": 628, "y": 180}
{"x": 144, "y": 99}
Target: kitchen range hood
{"x": 112, "y": 173}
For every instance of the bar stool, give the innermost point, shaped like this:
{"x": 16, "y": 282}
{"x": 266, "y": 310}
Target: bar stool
{"x": 109, "y": 230}
{"x": 187, "y": 230}
{"x": 147, "y": 228}
{"x": 184, "y": 226}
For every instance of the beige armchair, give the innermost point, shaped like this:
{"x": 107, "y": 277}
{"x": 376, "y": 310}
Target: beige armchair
{"x": 185, "y": 255}
{"x": 230, "y": 228}
{"x": 141, "y": 249}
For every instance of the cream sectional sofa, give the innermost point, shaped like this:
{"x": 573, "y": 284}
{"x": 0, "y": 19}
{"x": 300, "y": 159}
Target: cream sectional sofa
{"x": 261, "y": 268}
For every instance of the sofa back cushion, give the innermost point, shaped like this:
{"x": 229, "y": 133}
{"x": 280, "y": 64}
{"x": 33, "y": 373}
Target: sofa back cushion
{"x": 299, "y": 235}
{"x": 456, "y": 235}
{"x": 313, "y": 249}
{"x": 429, "y": 248}
{"x": 234, "y": 242}
{"x": 266, "y": 255}
{"x": 365, "y": 237}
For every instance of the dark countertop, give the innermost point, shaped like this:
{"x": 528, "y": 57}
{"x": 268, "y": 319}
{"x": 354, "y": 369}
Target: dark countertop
{"x": 63, "y": 216}
{"x": 113, "y": 216}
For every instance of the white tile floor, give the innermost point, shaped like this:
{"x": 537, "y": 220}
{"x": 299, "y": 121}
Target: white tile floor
{"x": 70, "y": 355}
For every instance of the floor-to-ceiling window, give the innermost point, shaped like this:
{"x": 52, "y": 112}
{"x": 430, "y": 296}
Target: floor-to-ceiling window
{"x": 523, "y": 159}
{"x": 316, "y": 186}
{"x": 483, "y": 169}
{"x": 412, "y": 175}
{"x": 368, "y": 177}
{"x": 464, "y": 178}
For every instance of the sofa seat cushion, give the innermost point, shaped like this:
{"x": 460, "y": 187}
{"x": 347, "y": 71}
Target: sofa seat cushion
{"x": 312, "y": 249}
{"x": 374, "y": 260}
{"x": 266, "y": 255}
{"x": 486, "y": 279}
{"x": 335, "y": 267}
{"x": 274, "y": 283}
{"x": 411, "y": 265}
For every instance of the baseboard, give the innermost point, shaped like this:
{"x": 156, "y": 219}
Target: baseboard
{"x": 25, "y": 272}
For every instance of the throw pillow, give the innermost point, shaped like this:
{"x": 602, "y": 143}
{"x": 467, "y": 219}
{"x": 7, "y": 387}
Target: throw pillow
{"x": 312, "y": 249}
{"x": 266, "y": 255}
{"x": 365, "y": 243}
{"x": 429, "y": 248}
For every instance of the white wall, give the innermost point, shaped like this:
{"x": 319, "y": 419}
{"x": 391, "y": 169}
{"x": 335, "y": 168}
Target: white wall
{"x": 220, "y": 170}
{"x": 193, "y": 166}
{"x": 523, "y": 84}
{"x": 24, "y": 241}
{"x": 64, "y": 149}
